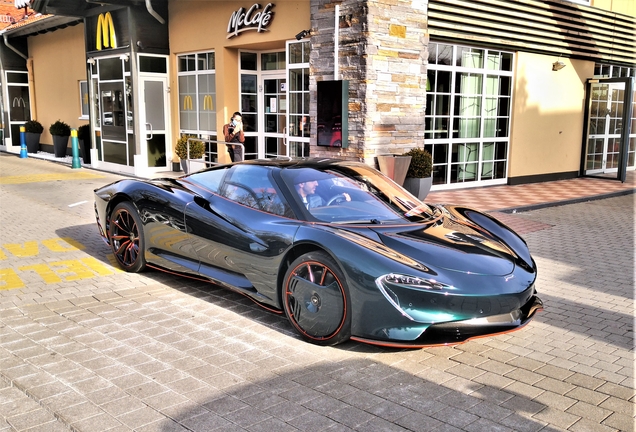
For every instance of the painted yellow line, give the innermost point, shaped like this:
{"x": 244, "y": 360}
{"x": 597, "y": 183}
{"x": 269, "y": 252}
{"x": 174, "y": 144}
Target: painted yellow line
{"x": 37, "y": 178}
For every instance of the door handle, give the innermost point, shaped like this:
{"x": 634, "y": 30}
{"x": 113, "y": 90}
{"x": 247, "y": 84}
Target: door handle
{"x": 148, "y": 134}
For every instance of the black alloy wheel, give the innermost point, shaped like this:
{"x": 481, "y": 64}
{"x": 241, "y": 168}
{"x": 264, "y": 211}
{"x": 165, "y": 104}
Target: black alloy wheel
{"x": 315, "y": 299}
{"x": 126, "y": 237}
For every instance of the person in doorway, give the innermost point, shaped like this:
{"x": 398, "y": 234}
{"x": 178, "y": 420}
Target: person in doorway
{"x": 233, "y": 133}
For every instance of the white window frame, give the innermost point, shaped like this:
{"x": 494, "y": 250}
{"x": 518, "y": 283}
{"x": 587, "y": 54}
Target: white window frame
{"x": 481, "y": 140}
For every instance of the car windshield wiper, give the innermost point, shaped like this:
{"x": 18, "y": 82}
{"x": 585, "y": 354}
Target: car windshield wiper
{"x": 359, "y": 221}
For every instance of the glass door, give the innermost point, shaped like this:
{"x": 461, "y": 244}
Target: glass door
{"x": 154, "y": 121}
{"x": 275, "y": 115}
{"x": 605, "y": 127}
{"x": 298, "y": 120}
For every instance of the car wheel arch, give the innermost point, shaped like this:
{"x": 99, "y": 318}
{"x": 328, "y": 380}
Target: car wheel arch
{"x": 115, "y": 201}
{"x": 291, "y": 255}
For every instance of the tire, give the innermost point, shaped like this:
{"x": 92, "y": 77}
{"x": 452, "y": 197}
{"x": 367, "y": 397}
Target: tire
{"x": 316, "y": 299}
{"x": 126, "y": 238}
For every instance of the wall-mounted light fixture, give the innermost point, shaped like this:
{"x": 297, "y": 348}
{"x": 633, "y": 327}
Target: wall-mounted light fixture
{"x": 303, "y": 34}
{"x": 558, "y": 65}
{"x": 91, "y": 61}
{"x": 125, "y": 57}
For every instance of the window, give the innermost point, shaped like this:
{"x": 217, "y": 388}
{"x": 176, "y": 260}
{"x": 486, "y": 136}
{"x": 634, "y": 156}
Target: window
{"x": 610, "y": 71}
{"x": 197, "y": 94}
{"x": 84, "y": 99}
{"x": 251, "y": 186}
{"x": 468, "y": 107}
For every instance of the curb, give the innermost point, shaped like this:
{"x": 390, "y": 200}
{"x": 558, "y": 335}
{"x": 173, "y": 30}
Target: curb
{"x": 564, "y": 202}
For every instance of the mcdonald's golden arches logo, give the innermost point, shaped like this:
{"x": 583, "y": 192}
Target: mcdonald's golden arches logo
{"x": 106, "y": 31}
{"x": 187, "y": 103}
{"x": 207, "y": 103}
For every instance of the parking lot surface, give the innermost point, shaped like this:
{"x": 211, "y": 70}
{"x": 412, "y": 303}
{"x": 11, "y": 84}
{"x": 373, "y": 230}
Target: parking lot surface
{"x": 87, "y": 347}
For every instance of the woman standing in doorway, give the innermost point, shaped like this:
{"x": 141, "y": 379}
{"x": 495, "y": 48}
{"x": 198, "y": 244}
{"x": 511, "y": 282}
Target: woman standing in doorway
{"x": 233, "y": 133}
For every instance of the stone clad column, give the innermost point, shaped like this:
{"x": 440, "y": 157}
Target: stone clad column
{"x": 383, "y": 54}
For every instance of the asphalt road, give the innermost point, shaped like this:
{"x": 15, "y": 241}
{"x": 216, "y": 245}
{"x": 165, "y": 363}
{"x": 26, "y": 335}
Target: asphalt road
{"x": 86, "y": 347}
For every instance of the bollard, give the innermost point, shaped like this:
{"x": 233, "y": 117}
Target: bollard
{"x": 75, "y": 149}
{"x": 23, "y": 147}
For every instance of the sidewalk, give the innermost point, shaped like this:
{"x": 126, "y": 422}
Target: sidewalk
{"x": 532, "y": 196}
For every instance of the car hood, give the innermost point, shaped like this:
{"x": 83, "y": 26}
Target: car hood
{"x": 453, "y": 242}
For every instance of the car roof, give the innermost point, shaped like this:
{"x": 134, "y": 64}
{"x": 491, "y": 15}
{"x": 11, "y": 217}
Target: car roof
{"x": 316, "y": 163}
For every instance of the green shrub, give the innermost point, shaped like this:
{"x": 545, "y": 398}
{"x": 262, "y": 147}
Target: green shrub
{"x": 84, "y": 132}
{"x": 197, "y": 148}
{"x": 33, "y": 126}
{"x": 421, "y": 163}
{"x": 60, "y": 128}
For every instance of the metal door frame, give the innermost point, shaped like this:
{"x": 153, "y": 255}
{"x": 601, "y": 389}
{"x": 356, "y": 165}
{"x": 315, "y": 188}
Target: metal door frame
{"x": 621, "y": 173}
{"x": 262, "y": 133}
{"x": 143, "y": 142}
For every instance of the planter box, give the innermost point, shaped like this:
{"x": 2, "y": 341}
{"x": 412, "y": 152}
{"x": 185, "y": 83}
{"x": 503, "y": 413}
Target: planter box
{"x": 420, "y": 187}
{"x": 394, "y": 166}
{"x": 32, "y": 142}
{"x": 60, "y": 144}
{"x": 193, "y": 164}
{"x": 85, "y": 146}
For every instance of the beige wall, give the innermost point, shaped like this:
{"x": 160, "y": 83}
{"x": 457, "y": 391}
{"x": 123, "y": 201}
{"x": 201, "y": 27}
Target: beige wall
{"x": 547, "y": 125}
{"x": 627, "y": 7}
{"x": 58, "y": 66}
{"x": 202, "y": 26}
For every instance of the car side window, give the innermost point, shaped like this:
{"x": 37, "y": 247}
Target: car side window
{"x": 252, "y": 186}
{"x": 210, "y": 180}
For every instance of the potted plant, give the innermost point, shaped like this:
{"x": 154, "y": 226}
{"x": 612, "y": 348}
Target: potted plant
{"x": 60, "y": 132}
{"x": 419, "y": 176}
{"x": 195, "y": 161}
{"x": 84, "y": 141}
{"x": 33, "y": 129}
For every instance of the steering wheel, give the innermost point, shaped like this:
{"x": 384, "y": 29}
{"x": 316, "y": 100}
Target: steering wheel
{"x": 336, "y": 199}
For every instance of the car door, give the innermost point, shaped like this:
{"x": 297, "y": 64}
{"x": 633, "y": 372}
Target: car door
{"x": 242, "y": 233}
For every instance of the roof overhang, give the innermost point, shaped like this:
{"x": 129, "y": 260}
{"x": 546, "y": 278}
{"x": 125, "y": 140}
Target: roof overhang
{"x": 78, "y": 8}
{"x": 44, "y": 25}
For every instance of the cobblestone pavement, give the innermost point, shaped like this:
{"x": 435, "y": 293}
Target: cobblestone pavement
{"x": 86, "y": 347}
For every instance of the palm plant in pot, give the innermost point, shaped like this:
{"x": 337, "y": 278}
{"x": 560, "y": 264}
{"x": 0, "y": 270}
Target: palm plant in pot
{"x": 60, "y": 132}
{"x": 194, "y": 159}
{"x": 84, "y": 141}
{"x": 419, "y": 176}
{"x": 33, "y": 130}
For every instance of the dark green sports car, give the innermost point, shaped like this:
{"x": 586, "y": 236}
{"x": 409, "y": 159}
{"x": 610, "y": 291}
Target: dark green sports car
{"x": 338, "y": 247}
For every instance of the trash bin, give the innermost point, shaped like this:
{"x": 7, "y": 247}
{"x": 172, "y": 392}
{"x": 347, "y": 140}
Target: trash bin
{"x": 394, "y": 166}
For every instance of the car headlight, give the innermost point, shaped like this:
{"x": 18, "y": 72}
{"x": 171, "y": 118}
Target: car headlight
{"x": 393, "y": 285}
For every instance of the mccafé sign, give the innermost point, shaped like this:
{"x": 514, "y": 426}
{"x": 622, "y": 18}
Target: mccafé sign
{"x": 254, "y": 18}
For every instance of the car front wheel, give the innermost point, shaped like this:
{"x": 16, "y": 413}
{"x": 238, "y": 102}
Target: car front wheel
{"x": 315, "y": 299}
{"x": 126, "y": 237}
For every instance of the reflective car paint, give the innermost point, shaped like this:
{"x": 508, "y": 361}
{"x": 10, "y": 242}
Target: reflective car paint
{"x": 467, "y": 265}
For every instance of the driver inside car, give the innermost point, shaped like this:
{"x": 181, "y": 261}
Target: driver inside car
{"x": 306, "y": 188}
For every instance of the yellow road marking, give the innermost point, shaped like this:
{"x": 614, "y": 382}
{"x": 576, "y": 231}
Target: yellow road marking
{"x": 37, "y": 178}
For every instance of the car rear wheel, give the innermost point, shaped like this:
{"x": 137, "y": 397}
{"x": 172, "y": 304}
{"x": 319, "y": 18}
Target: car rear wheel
{"x": 315, "y": 299}
{"x": 126, "y": 237}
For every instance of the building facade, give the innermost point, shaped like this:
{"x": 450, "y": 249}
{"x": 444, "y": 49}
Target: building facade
{"x": 498, "y": 91}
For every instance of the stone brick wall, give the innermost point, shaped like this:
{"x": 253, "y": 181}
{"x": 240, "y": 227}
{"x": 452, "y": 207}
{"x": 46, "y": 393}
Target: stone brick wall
{"x": 383, "y": 54}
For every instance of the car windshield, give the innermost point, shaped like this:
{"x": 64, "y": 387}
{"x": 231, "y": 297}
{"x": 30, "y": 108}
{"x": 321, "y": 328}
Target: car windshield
{"x": 349, "y": 194}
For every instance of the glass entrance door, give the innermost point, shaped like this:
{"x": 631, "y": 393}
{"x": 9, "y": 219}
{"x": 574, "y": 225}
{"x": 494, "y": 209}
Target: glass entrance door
{"x": 154, "y": 121}
{"x": 274, "y": 115}
{"x": 605, "y": 127}
{"x": 298, "y": 95}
